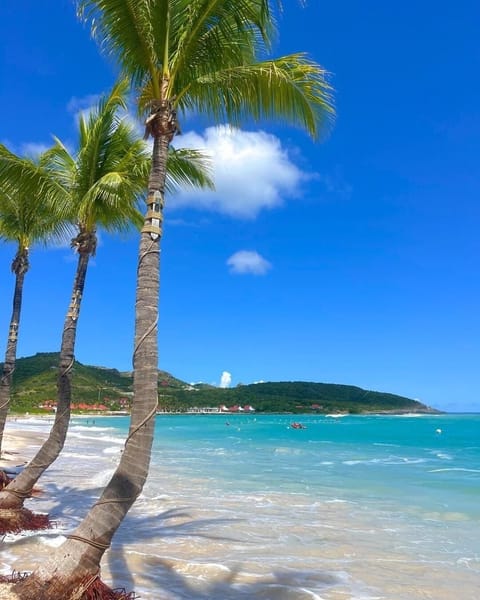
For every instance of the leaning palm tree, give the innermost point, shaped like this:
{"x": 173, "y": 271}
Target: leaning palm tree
{"x": 184, "y": 55}
{"x": 101, "y": 184}
{"x": 25, "y": 219}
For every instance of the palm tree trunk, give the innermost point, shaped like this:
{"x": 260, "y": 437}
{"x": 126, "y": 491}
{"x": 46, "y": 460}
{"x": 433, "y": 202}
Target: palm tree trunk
{"x": 79, "y": 557}
{"x": 19, "y": 267}
{"x": 14, "y": 495}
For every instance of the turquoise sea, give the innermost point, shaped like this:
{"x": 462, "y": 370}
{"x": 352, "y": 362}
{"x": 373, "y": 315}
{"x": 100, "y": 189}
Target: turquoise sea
{"x": 244, "y": 506}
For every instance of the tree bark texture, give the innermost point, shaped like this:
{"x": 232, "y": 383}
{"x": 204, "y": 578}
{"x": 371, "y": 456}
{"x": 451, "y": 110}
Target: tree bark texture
{"x": 19, "y": 267}
{"x": 14, "y": 495}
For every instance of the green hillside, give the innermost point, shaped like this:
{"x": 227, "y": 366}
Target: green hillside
{"x": 34, "y": 384}
{"x": 35, "y": 379}
{"x": 298, "y": 397}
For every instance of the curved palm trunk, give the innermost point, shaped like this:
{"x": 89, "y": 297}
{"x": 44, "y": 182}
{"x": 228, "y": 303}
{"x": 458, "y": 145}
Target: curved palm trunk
{"x": 20, "y": 267}
{"x": 76, "y": 564}
{"x": 14, "y": 495}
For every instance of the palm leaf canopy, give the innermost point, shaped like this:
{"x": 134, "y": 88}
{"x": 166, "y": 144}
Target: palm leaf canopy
{"x": 211, "y": 56}
{"x": 107, "y": 177}
{"x": 99, "y": 185}
{"x": 108, "y": 172}
{"x": 31, "y": 202}
{"x": 187, "y": 167}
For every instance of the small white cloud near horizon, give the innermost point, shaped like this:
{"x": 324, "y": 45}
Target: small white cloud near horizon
{"x": 251, "y": 172}
{"x": 225, "y": 379}
{"x": 248, "y": 262}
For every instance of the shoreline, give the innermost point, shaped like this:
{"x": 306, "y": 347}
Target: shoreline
{"x": 19, "y": 446}
{"x": 227, "y": 413}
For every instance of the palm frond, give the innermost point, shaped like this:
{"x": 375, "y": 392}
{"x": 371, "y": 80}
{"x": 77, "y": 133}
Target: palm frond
{"x": 291, "y": 88}
{"x": 107, "y": 175}
{"x": 58, "y": 161}
{"x": 124, "y": 31}
{"x": 31, "y": 201}
{"x": 95, "y": 138}
{"x": 188, "y": 168}
{"x": 111, "y": 203}
{"x": 217, "y": 59}
{"x": 207, "y": 33}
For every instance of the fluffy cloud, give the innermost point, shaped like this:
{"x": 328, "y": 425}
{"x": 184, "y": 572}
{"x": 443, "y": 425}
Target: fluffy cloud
{"x": 225, "y": 379}
{"x": 251, "y": 172}
{"x": 248, "y": 262}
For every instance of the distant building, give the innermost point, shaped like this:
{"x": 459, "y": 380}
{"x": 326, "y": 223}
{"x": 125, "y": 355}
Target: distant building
{"x": 237, "y": 408}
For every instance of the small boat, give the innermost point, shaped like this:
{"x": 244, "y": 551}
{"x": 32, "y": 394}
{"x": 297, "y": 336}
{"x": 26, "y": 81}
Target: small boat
{"x": 296, "y": 425}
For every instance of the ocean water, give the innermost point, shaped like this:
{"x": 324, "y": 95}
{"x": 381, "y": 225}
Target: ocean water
{"x": 244, "y": 506}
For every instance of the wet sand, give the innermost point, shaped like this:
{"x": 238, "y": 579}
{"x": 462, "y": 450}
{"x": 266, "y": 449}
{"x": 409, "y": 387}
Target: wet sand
{"x": 19, "y": 446}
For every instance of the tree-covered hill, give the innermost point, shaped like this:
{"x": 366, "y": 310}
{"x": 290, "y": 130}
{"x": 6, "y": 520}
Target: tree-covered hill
{"x": 34, "y": 384}
{"x": 299, "y": 397}
{"x": 35, "y": 379}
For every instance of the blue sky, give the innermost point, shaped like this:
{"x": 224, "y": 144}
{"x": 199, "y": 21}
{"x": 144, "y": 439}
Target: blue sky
{"x": 352, "y": 261}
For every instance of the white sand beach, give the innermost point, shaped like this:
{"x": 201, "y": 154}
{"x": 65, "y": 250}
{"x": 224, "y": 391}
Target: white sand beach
{"x": 19, "y": 445}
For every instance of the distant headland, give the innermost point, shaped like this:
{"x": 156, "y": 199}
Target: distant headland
{"x": 101, "y": 389}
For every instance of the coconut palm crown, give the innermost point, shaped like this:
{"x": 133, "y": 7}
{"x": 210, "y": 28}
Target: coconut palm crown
{"x": 209, "y": 57}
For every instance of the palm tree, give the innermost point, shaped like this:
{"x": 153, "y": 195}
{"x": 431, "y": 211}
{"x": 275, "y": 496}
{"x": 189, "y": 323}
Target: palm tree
{"x": 101, "y": 184}
{"x": 25, "y": 219}
{"x": 185, "y": 55}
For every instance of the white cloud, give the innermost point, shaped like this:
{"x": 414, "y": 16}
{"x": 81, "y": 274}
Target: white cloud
{"x": 248, "y": 262}
{"x": 251, "y": 172}
{"x": 225, "y": 379}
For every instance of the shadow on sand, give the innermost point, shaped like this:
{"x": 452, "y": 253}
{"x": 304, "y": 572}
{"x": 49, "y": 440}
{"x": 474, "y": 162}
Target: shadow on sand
{"x": 160, "y": 577}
